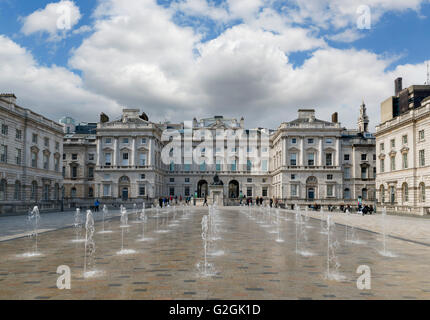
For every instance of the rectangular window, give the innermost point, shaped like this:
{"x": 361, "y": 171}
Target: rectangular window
{"x": 125, "y": 140}
{"x": 421, "y": 135}
{"x": 56, "y": 164}
{"x": 264, "y": 165}
{"x": 249, "y": 192}
{"x": 142, "y": 176}
{"x": 293, "y": 177}
{"x": 382, "y": 165}
{"x": 405, "y": 139}
{"x": 393, "y": 143}
{"x": 172, "y": 166}
{"x": 187, "y": 180}
{"x": 233, "y": 165}
{"x": 74, "y": 156}
{"x": 187, "y": 167}
{"x": 187, "y": 191}
{"x": 141, "y": 190}
{"x": 329, "y": 191}
{"x": 311, "y": 159}
{"x": 46, "y": 142}
{"x": 422, "y": 158}
{"x": 106, "y": 190}
{"x": 91, "y": 157}
{"x": 249, "y": 180}
{"x": 329, "y": 177}
{"x": 4, "y": 129}
{"x": 3, "y": 153}
{"x": 363, "y": 157}
{"x": 203, "y": 166}
{"x": 328, "y": 141}
{"x": 294, "y": 190}
{"x": 18, "y": 134}
{"x": 34, "y": 138}
{"x": 90, "y": 172}
{"x": 108, "y": 159}
{"x": 405, "y": 160}
{"x": 328, "y": 159}
{"x": 74, "y": 172}
{"x": 264, "y": 193}
{"x": 108, "y": 140}
{"x": 293, "y": 159}
{"x": 218, "y": 165}
{"x": 171, "y": 191}
{"x": 393, "y": 163}
{"x": 347, "y": 173}
{"x": 125, "y": 159}
{"x": 142, "y": 159}
{"x": 45, "y": 162}
{"x": 346, "y": 157}
{"x": 363, "y": 173}
{"x": 248, "y": 165}
{"x": 34, "y": 159}
{"x": 172, "y": 179}
{"x": 57, "y": 145}
{"x": 310, "y": 141}
{"x": 293, "y": 141}
{"x": 381, "y": 146}
{"x": 18, "y": 156}
{"x": 143, "y": 141}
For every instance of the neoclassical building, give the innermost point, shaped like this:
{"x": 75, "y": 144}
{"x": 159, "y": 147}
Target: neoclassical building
{"x": 30, "y": 159}
{"x": 403, "y": 144}
{"x": 304, "y": 161}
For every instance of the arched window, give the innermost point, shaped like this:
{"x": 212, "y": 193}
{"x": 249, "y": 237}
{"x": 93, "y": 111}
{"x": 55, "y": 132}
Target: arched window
{"x": 17, "y": 193}
{"x": 405, "y": 192}
{"x": 34, "y": 190}
{"x": 3, "y": 187}
{"x": 422, "y": 192}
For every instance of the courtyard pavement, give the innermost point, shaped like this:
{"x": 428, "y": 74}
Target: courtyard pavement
{"x": 245, "y": 261}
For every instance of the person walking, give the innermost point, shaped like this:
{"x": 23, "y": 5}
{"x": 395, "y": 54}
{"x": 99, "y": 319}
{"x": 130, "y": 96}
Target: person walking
{"x": 206, "y": 201}
{"x": 96, "y": 205}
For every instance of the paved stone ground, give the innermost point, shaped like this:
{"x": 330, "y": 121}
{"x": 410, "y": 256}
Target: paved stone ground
{"x": 249, "y": 263}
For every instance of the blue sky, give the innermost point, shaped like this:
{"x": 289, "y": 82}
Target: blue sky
{"x": 398, "y": 42}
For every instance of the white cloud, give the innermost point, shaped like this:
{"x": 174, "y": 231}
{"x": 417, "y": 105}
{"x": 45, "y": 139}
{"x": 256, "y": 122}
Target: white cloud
{"x": 52, "y": 91}
{"x": 349, "y": 35}
{"x": 56, "y": 19}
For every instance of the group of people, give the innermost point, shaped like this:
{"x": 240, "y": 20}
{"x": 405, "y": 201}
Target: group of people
{"x": 248, "y": 201}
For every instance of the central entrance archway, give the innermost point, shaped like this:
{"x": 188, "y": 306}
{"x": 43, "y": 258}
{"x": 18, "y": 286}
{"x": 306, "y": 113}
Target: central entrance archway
{"x": 233, "y": 189}
{"x": 124, "y": 188}
{"x": 202, "y": 189}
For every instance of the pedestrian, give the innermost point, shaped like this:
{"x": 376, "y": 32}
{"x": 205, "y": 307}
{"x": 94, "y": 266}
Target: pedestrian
{"x": 96, "y": 205}
{"x": 206, "y": 201}
{"x": 271, "y": 202}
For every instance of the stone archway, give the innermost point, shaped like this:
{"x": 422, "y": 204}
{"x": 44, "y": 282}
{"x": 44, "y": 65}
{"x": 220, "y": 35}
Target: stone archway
{"x": 311, "y": 188}
{"x": 233, "y": 189}
{"x": 124, "y": 188}
{"x": 202, "y": 189}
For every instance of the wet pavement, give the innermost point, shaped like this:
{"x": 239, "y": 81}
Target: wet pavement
{"x": 247, "y": 261}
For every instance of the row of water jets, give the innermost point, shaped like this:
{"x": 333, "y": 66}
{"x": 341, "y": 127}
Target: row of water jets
{"x": 268, "y": 217}
{"x": 140, "y": 217}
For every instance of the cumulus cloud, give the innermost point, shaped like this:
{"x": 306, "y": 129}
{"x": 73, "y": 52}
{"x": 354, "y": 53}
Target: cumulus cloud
{"x": 56, "y": 19}
{"x": 52, "y": 91}
{"x": 138, "y": 56}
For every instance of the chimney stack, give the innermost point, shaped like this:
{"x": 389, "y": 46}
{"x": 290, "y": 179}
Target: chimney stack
{"x": 335, "y": 118}
{"x": 398, "y": 86}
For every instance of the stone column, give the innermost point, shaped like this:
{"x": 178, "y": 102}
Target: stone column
{"x": 320, "y": 151}
{"x": 151, "y": 153}
{"x": 99, "y": 151}
{"x": 133, "y": 153}
{"x": 302, "y": 151}
{"x": 337, "y": 151}
{"x": 285, "y": 146}
{"x": 115, "y": 152}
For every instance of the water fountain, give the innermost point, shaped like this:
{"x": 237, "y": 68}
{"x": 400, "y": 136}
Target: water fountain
{"x": 105, "y": 214}
{"x": 301, "y": 235}
{"x": 33, "y": 219}
{"x": 278, "y": 224}
{"x": 124, "y": 226}
{"x": 333, "y": 264}
{"x": 143, "y": 219}
{"x": 90, "y": 247}
{"x": 384, "y": 252}
{"x": 78, "y": 223}
{"x": 205, "y": 268}
{"x": 136, "y": 212}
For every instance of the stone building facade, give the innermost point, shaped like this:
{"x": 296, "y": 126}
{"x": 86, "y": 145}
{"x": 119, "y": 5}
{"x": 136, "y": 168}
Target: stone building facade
{"x": 30, "y": 159}
{"x": 403, "y": 165}
{"x": 304, "y": 161}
